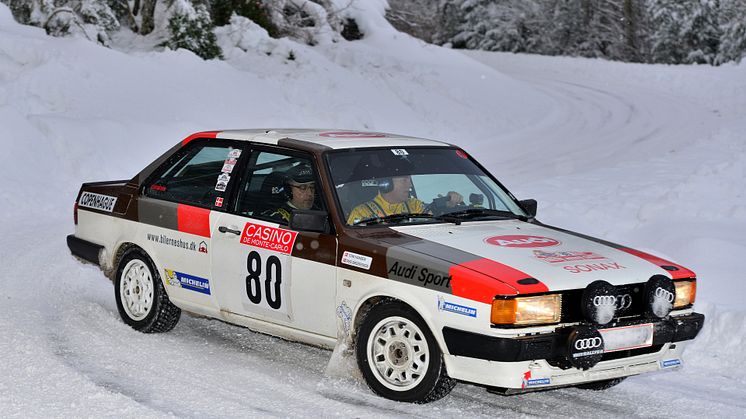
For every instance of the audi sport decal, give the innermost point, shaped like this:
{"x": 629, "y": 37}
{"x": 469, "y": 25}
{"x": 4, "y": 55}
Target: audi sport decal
{"x": 234, "y": 153}
{"x": 444, "y": 305}
{"x": 186, "y": 281}
{"x": 97, "y": 201}
{"x": 417, "y": 275}
{"x": 565, "y": 256}
{"x": 270, "y": 238}
{"x": 399, "y": 152}
{"x": 352, "y": 134}
{"x": 521, "y": 241}
{"x": 356, "y": 260}
{"x": 590, "y": 267}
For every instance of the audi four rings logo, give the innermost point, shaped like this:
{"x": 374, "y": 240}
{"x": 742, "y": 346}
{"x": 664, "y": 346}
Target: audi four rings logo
{"x": 624, "y": 301}
{"x": 604, "y": 300}
{"x": 588, "y": 343}
{"x": 664, "y": 294}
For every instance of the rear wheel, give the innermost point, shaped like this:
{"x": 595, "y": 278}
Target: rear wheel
{"x": 399, "y": 357}
{"x": 141, "y": 299}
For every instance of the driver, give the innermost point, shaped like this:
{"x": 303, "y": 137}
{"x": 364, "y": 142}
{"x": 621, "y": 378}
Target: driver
{"x": 393, "y": 198}
{"x": 300, "y": 188}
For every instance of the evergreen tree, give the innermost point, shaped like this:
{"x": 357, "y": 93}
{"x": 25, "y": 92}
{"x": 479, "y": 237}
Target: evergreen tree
{"x": 733, "y": 31}
{"x": 190, "y": 27}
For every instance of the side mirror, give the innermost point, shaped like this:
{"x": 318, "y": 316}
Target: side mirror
{"x": 530, "y": 206}
{"x": 308, "y": 220}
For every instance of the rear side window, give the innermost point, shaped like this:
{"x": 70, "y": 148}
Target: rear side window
{"x": 200, "y": 176}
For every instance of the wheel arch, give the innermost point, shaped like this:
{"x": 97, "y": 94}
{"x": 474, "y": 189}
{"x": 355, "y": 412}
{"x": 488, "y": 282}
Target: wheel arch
{"x": 369, "y": 302}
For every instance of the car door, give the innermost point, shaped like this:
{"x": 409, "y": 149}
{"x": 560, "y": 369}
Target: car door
{"x": 176, "y": 209}
{"x": 265, "y": 270}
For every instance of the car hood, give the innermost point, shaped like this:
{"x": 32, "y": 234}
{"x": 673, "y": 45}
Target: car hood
{"x": 557, "y": 259}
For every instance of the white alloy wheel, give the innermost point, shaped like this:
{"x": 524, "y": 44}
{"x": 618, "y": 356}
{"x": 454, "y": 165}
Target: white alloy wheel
{"x": 398, "y": 353}
{"x": 136, "y": 289}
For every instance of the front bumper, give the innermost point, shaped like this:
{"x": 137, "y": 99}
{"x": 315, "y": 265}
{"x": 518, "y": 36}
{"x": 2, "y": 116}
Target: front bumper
{"x": 529, "y": 362}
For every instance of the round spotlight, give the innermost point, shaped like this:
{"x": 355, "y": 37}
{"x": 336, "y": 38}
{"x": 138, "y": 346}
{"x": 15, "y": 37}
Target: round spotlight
{"x": 660, "y": 293}
{"x": 599, "y": 302}
{"x": 585, "y": 347}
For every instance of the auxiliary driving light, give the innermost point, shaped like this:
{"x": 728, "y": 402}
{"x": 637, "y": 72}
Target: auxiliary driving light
{"x": 540, "y": 309}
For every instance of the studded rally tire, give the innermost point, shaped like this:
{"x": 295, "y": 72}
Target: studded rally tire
{"x": 399, "y": 357}
{"x": 601, "y": 385}
{"x": 141, "y": 299}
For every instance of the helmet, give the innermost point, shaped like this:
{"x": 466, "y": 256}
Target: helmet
{"x": 298, "y": 175}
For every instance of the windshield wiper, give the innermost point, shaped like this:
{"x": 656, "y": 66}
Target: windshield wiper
{"x": 406, "y": 216}
{"x": 472, "y": 213}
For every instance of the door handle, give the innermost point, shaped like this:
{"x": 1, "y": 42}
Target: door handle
{"x": 224, "y": 229}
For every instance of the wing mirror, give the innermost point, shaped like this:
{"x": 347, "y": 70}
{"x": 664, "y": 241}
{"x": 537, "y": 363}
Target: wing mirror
{"x": 530, "y": 206}
{"x": 309, "y": 220}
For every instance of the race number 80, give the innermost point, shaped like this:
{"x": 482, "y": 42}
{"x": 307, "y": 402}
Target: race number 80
{"x": 272, "y": 280}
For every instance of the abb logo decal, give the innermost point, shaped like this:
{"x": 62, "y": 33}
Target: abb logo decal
{"x": 521, "y": 241}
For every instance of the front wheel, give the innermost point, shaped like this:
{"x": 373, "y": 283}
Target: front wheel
{"x": 601, "y": 385}
{"x": 141, "y": 299}
{"x": 399, "y": 357}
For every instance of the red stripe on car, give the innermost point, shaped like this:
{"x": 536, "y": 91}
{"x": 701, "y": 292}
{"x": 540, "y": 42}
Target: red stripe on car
{"x": 482, "y": 279}
{"x": 680, "y": 272}
{"x": 193, "y": 220}
{"x": 204, "y": 134}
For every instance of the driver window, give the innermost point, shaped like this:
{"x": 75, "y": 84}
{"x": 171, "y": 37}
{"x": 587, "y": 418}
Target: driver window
{"x": 276, "y": 184}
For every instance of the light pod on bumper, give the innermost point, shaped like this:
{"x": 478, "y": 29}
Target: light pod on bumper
{"x": 538, "y": 309}
{"x": 585, "y": 347}
{"x": 659, "y": 297}
{"x": 599, "y": 302}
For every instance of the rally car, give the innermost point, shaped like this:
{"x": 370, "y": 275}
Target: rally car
{"x": 406, "y": 250}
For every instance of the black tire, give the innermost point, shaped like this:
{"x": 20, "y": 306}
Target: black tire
{"x": 156, "y": 313}
{"x": 601, "y": 385}
{"x": 430, "y": 385}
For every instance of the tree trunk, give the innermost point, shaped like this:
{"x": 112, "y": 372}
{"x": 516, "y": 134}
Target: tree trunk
{"x": 148, "y": 12}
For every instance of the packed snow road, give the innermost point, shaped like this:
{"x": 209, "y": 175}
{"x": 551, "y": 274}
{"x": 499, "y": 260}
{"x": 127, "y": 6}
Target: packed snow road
{"x": 612, "y": 153}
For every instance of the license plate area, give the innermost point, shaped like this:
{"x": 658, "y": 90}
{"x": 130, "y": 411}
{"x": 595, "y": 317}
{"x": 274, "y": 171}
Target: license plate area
{"x": 627, "y": 337}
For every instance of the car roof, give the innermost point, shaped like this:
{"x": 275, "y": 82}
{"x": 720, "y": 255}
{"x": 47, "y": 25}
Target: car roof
{"x": 328, "y": 138}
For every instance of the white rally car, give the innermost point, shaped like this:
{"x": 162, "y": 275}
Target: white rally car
{"x": 403, "y": 248}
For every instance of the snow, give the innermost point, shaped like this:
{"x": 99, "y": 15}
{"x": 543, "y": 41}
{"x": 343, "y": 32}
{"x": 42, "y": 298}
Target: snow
{"x": 649, "y": 156}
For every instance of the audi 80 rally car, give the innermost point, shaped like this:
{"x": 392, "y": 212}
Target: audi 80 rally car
{"x": 405, "y": 250}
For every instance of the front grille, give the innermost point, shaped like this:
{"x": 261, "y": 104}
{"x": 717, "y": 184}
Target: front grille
{"x": 630, "y": 303}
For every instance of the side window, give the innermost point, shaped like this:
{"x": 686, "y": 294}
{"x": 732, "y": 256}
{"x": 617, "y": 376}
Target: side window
{"x": 200, "y": 176}
{"x": 276, "y": 185}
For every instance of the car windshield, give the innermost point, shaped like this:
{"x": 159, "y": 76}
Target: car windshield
{"x": 416, "y": 185}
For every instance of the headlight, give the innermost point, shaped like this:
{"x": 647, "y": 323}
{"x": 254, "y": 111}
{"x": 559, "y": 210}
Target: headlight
{"x": 686, "y": 292}
{"x": 540, "y": 309}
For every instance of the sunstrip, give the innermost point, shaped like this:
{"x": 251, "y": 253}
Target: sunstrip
{"x": 205, "y": 134}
